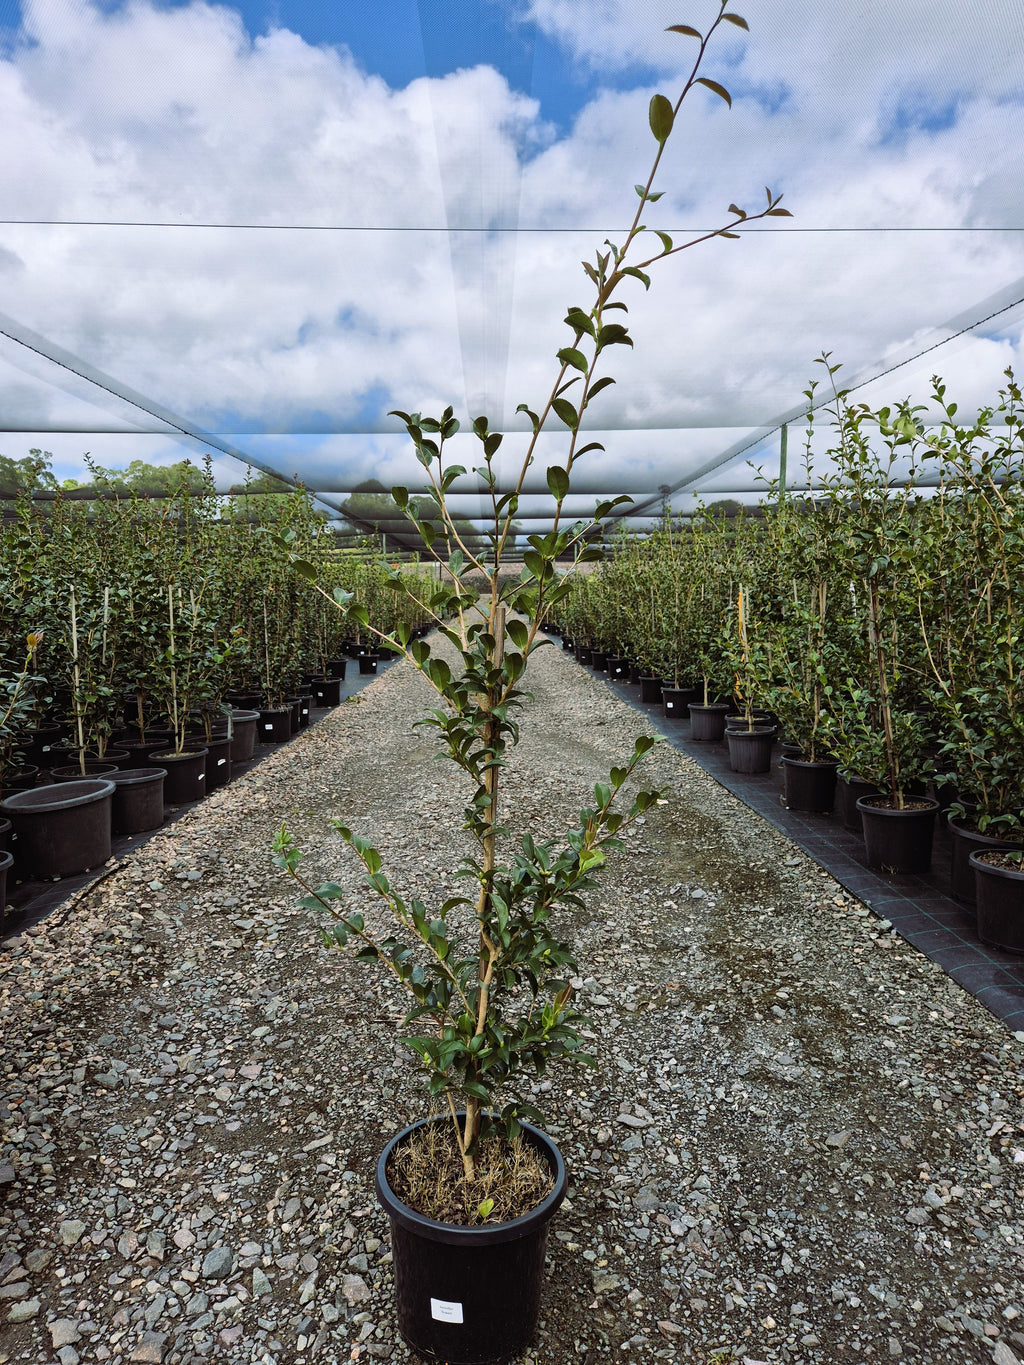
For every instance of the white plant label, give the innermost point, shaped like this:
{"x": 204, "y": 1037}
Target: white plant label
{"x": 444, "y": 1311}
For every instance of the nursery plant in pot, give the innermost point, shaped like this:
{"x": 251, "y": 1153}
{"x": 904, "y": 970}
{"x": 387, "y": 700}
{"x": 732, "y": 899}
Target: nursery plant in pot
{"x": 18, "y": 685}
{"x": 486, "y": 972}
{"x": 884, "y": 736}
{"x": 750, "y": 743}
{"x": 188, "y": 627}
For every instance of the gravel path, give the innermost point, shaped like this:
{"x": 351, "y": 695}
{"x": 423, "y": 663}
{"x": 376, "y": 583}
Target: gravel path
{"x": 804, "y": 1142}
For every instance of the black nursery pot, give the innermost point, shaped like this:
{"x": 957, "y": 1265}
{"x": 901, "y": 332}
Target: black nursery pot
{"x": 708, "y": 722}
{"x": 138, "y": 802}
{"x": 61, "y": 829}
{"x": 961, "y": 872}
{"x": 186, "y": 775}
{"x": 336, "y": 668}
{"x": 6, "y": 859}
{"x": 218, "y": 762}
{"x": 849, "y": 789}
{"x": 275, "y": 725}
{"x": 368, "y": 663}
{"x": 675, "y": 700}
{"x": 1000, "y": 900}
{"x": 898, "y": 840}
{"x": 72, "y": 772}
{"x": 750, "y": 751}
{"x": 618, "y": 668}
{"x": 5, "y": 834}
{"x": 243, "y": 735}
{"x": 650, "y": 688}
{"x": 469, "y": 1296}
{"x": 599, "y": 660}
{"x": 809, "y": 786}
{"x": 327, "y": 691}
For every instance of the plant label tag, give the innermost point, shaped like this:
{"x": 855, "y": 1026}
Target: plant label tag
{"x": 269, "y": 727}
{"x": 444, "y": 1311}
{"x": 221, "y": 762}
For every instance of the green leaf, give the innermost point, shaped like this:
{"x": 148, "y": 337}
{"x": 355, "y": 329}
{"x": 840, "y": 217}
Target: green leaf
{"x": 518, "y": 633}
{"x": 660, "y": 117}
{"x": 685, "y": 30}
{"x": 735, "y": 19}
{"x": 485, "y": 1208}
{"x": 591, "y": 445}
{"x": 566, "y": 412}
{"x": 666, "y": 240}
{"x": 597, "y": 386}
{"x": 401, "y": 496}
{"x": 568, "y": 355}
{"x": 719, "y": 90}
{"x": 558, "y": 482}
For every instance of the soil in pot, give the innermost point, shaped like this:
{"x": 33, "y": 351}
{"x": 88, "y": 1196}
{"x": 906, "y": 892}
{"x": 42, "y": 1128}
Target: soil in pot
{"x": 999, "y": 888}
{"x": 708, "y": 722}
{"x": 809, "y": 786}
{"x": 469, "y": 1295}
{"x": 967, "y": 840}
{"x": 62, "y": 829}
{"x": 138, "y": 802}
{"x": 750, "y": 751}
{"x": 186, "y": 775}
{"x": 898, "y": 840}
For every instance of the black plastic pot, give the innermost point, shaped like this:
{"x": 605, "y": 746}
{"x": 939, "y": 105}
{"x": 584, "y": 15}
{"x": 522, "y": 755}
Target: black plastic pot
{"x": 62, "y": 829}
{"x": 6, "y": 859}
{"x": 218, "y": 762}
{"x": 245, "y": 701}
{"x": 138, "y": 802}
{"x": 305, "y": 704}
{"x": 186, "y": 775}
{"x": 72, "y": 772}
{"x": 618, "y": 669}
{"x": 469, "y": 1296}
{"x": 635, "y": 674}
{"x": 898, "y": 840}
{"x": 275, "y": 725}
{"x": 21, "y": 779}
{"x": 961, "y": 873}
{"x": 750, "y": 751}
{"x": 809, "y": 786}
{"x": 42, "y": 739}
{"x": 327, "y": 691}
{"x": 707, "y": 722}
{"x": 849, "y": 789}
{"x": 650, "y": 688}
{"x": 1000, "y": 902}
{"x": 336, "y": 668}
{"x": 368, "y": 663}
{"x": 675, "y": 700}
{"x": 243, "y": 735}
{"x": 5, "y": 834}
{"x": 566, "y": 642}
{"x": 599, "y": 660}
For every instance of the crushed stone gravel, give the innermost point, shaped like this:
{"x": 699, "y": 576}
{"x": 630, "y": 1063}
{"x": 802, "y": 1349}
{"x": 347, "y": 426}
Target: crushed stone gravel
{"x": 803, "y": 1141}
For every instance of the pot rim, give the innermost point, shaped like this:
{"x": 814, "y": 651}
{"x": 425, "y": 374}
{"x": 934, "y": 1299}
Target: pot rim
{"x": 129, "y": 777}
{"x": 989, "y": 869}
{"x": 863, "y": 804}
{"x": 96, "y": 789}
{"x": 488, "y": 1234}
{"x": 6, "y": 859}
{"x": 792, "y": 761}
{"x": 721, "y": 706}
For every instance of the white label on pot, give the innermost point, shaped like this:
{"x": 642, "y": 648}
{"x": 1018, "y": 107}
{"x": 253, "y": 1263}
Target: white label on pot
{"x": 200, "y": 777}
{"x": 269, "y": 727}
{"x": 444, "y": 1311}
{"x": 669, "y": 705}
{"x": 221, "y": 762}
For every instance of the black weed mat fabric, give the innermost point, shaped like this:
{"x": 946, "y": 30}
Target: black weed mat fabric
{"x": 919, "y": 908}
{"x": 29, "y": 901}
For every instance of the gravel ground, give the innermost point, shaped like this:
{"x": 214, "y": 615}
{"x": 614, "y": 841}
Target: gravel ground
{"x": 803, "y": 1142}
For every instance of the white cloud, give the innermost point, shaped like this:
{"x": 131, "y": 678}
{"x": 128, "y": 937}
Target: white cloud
{"x": 911, "y": 117}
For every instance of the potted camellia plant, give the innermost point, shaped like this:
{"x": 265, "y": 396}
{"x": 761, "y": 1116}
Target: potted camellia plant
{"x": 487, "y": 972}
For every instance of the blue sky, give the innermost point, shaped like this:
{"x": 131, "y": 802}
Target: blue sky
{"x": 378, "y": 279}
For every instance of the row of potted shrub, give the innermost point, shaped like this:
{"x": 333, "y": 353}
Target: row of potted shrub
{"x": 877, "y": 618}
{"x": 180, "y": 605}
